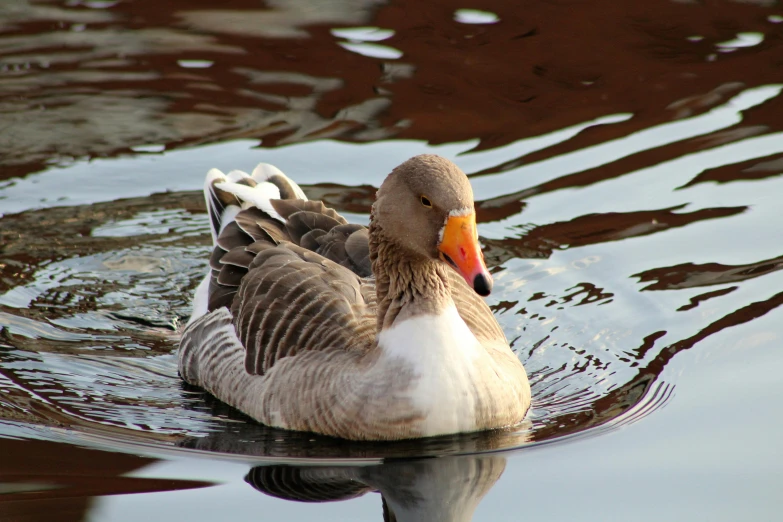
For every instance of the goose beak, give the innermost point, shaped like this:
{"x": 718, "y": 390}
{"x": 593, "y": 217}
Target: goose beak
{"x": 459, "y": 247}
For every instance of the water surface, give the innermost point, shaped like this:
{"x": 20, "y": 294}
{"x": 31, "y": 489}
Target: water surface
{"x": 626, "y": 162}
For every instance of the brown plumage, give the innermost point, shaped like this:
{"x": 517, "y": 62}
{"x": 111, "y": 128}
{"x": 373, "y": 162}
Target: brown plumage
{"x": 310, "y": 323}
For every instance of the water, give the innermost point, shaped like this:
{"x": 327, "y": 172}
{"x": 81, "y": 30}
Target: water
{"x": 627, "y": 178}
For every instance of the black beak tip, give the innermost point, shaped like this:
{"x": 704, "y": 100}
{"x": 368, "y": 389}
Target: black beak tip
{"x": 482, "y": 285}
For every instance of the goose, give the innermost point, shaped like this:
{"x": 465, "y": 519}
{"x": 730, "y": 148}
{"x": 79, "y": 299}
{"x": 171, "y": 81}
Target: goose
{"x": 306, "y": 322}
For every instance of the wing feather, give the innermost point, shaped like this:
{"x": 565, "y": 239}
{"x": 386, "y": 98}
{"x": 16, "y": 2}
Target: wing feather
{"x": 282, "y": 271}
{"x": 296, "y": 275}
{"x": 220, "y": 296}
{"x": 287, "y": 207}
{"x": 287, "y": 296}
{"x": 318, "y": 280}
{"x": 240, "y": 257}
{"x": 231, "y": 275}
{"x": 214, "y": 259}
{"x": 232, "y": 236}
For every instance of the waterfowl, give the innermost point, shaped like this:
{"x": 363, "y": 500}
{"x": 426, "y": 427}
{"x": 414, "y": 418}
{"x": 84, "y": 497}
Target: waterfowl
{"x": 309, "y": 323}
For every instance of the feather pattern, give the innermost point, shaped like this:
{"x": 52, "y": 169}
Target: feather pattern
{"x": 290, "y": 330}
{"x": 307, "y": 484}
{"x": 423, "y": 489}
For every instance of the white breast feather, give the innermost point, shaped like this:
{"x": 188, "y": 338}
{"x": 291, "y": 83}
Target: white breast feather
{"x": 443, "y": 353}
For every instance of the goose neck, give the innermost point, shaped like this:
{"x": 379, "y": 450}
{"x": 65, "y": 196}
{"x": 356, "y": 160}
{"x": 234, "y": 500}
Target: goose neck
{"x": 405, "y": 282}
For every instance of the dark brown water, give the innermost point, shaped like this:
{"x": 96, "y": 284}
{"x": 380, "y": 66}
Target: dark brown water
{"x": 627, "y": 164}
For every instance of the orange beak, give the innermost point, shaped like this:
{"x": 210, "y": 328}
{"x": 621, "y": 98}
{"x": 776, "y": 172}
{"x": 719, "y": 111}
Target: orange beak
{"x": 459, "y": 248}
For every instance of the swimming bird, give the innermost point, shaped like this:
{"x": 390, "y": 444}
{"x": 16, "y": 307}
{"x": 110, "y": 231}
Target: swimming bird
{"x": 309, "y": 323}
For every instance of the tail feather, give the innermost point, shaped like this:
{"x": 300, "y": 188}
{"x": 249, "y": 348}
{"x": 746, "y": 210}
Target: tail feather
{"x": 287, "y": 187}
{"x": 236, "y": 175}
{"x": 227, "y": 194}
{"x": 264, "y": 171}
{"x": 216, "y": 201}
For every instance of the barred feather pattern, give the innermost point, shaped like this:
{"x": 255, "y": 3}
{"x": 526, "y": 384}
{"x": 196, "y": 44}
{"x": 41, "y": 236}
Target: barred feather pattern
{"x": 293, "y": 314}
{"x": 301, "y": 484}
{"x": 353, "y": 398}
{"x": 431, "y": 489}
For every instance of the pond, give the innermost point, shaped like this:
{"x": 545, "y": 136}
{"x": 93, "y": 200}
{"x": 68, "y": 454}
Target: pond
{"x": 627, "y": 164}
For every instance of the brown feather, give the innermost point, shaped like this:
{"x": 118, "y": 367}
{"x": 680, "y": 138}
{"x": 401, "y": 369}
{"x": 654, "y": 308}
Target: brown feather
{"x": 232, "y": 236}
{"x": 284, "y": 186}
{"x": 248, "y": 181}
{"x": 259, "y": 246}
{"x": 293, "y": 302}
{"x": 265, "y": 314}
{"x": 220, "y": 296}
{"x": 231, "y": 275}
{"x": 357, "y": 246}
{"x": 260, "y": 226}
{"x": 300, "y": 223}
{"x": 289, "y": 206}
{"x": 310, "y": 240}
{"x": 238, "y": 256}
{"x": 214, "y": 258}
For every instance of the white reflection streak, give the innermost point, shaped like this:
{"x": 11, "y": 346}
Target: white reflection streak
{"x": 736, "y": 152}
{"x": 469, "y": 161}
{"x": 533, "y": 174}
{"x": 359, "y": 36}
{"x": 475, "y": 16}
{"x": 372, "y": 50}
{"x": 363, "y": 34}
{"x": 742, "y": 40}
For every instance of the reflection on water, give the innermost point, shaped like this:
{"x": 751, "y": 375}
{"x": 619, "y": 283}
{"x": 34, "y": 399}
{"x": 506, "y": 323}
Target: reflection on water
{"x": 241, "y": 436}
{"x": 281, "y": 72}
{"x": 445, "y": 490}
{"x": 44, "y": 480}
{"x": 430, "y": 489}
{"x": 627, "y": 174}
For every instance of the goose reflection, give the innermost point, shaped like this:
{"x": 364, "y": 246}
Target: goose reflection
{"x": 432, "y": 489}
{"x": 434, "y": 479}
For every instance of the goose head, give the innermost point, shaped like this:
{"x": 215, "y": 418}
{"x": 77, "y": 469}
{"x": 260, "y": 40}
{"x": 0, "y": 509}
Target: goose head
{"x": 425, "y": 207}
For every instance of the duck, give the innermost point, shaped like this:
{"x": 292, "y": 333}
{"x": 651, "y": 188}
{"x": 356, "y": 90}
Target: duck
{"x": 310, "y": 323}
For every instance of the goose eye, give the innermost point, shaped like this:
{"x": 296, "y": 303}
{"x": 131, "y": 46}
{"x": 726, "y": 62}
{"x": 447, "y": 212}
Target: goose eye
{"x": 426, "y": 202}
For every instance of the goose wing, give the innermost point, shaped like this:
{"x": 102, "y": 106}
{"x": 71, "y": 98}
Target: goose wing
{"x": 285, "y": 299}
{"x": 294, "y": 300}
{"x": 314, "y": 226}
{"x": 289, "y": 271}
